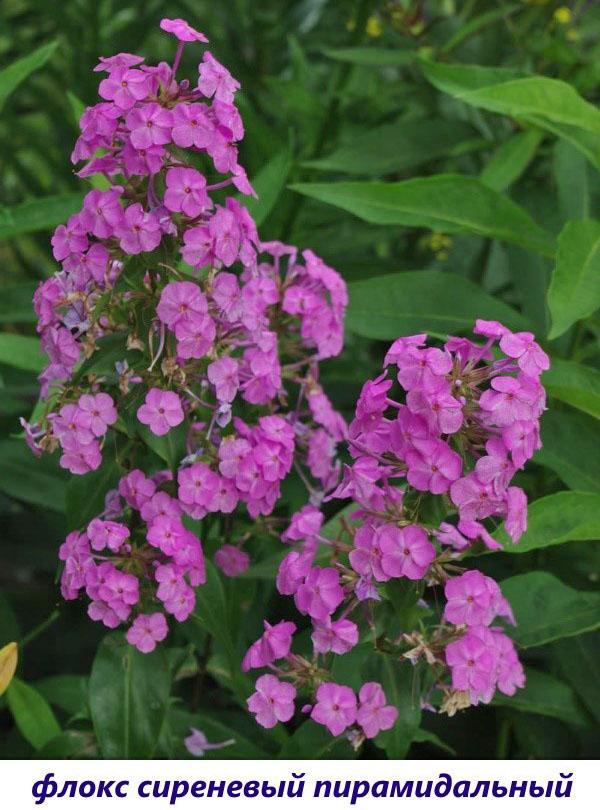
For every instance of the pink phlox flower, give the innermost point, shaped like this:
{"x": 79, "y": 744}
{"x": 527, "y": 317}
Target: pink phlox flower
{"x": 373, "y": 714}
{"x": 274, "y": 644}
{"x": 96, "y": 412}
{"x": 231, "y": 560}
{"x": 125, "y": 86}
{"x": 136, "y": 488}
{"x": 215, "y": 80}
{"x": 147, "y": 629}
{"x": 304, "y": 525}
{"x": 273, "y": 700}
{"x": 197, "y": 743}
{"x": 335, "y": 708}
{"x": 107, "y": 534}
{"x": 405, "y": 552}
{"x": 320, "y": 593}
{"x": 179, "y": 301}
{"x": 432, "y": 466}
{"x": 334, "y": 636}
{"x": 139, "y": 231}
{"x": 182, "y": 30}
{"x": 161, "y": 411}
{"x": 522, "y": 347}
{"x": 186, "y": 192}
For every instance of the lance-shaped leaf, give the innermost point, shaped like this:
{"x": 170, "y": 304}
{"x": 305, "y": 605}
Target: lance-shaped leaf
{"x": 548, "y": 103}
{"x": 38, "y": 214}
{"x": 574, "y": 383}
{"x": 33, "y": 716}
{"x": 556, "y": 519}
{"x": 546, "y": 695}
{"x": 568, "y": 440}
{"x": 404, "y": 303}
{"x": 451, "y": 203}
{"x": 12, "y": 76}
{"x": 546, "y": 609}
{"x": 574, "y": 291}
{"x": 129, "y": 695}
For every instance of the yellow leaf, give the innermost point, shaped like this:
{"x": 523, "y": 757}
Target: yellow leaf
{"x": 8, "y": 664}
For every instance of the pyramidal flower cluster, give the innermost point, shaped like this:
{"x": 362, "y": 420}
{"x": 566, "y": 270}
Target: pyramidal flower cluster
{"x": 170, "y": 321}
{"x": 441, "y": 432}
{"x": 173, "y": 332}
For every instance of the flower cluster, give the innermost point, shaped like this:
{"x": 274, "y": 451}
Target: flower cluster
{"x": 174, "y": 334}
{"x": 466, "y": 418}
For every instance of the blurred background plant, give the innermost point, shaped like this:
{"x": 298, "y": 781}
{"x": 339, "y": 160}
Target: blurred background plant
{"x": 402, "y": 142}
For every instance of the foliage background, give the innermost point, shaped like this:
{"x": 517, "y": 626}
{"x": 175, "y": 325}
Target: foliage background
{"x": 336, "y": 92}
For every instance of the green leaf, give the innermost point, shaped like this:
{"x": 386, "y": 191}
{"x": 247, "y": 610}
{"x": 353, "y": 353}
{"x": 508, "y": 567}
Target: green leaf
{"x": 313, "y": 741}
{"x": 555, "y": 519}
{"x": 570, "y": 174}
{"x": 404, "y": 303}
{"x": 398, "y": 146}
{"x": 574, "y": 291}
{"x": 170, "y": 447}
{"x": 477, "y": 24}
{"x": 451, "y": 203}
{"x": 372, "y": 57}
{"x": 546, "y": 609}
{"x": 218, "y": 728}
{"x": 21, "y": 351}
{"x": 268, "y": 184}
{"x": 576, "y": 384}
{"x": 16, "y": 303}
{"x": 511, "y": 159}
{"x": 37, "y": 481}
{"x": 421, "y": 735}
{"x": 567, "y": 439}
{"x": 212, "y": 614}
{"x": 548, "y": 103}
{"x": 85, "y": 493}
{"x": 38, "y": 214}
{"x": 129, "y": 695}
{"x": 68, "y": 692}
{"x": 546, "y": 695}
{"x": 32, "y": 715}
{"x": 12, "y": 76}
{"x": 397, "y": 676}
{"x": 579, "y": 662}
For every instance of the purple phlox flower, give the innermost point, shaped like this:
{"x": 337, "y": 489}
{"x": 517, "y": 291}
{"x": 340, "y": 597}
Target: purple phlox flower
{"x": 274, "y": 644}
{"x": 373, "y": 714}
{"x": 432, "y": 465}
{"x": 182, "y": 30}
{"x": 161, "y": 411}
{"x": 186, "y": 192}
{"x": 304, "y": 525}
{"x": 320, "y": 593}
{"x": 231, "y": 560}
{"x": 197, "y": 744}
{"x": 215, "y": 80}
{"x": 335, "y": 636}
{"x": 272, "y": 701}
{"x": 136, "y": 488}
{"x": 139, "y": 231}
{"x": 335, "y": 708}
{"x": 405, "y": 552}
{"x": 147, "y": 629}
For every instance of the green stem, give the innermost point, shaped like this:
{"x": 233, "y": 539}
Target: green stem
{"x": 504, "y": 734}
{"x": 39, "y": 629}
{"x": 338, "y": 81}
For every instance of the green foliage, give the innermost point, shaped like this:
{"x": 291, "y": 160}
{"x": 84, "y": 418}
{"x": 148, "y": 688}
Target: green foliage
{"x": 129, "y": 696}
{"x": 33, "y": 716}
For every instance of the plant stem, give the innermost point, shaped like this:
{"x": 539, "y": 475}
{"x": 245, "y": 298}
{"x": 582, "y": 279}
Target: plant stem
{"x": 39, "y": 629}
